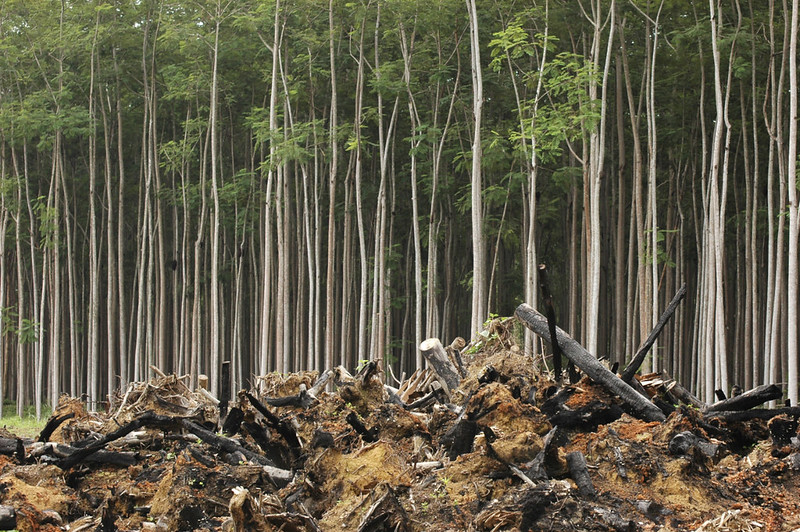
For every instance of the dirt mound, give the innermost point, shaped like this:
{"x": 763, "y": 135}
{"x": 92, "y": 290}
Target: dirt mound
{"x": 507, "y": 449}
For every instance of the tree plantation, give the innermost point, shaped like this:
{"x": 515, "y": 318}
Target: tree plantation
{"x": 301, "y": 184}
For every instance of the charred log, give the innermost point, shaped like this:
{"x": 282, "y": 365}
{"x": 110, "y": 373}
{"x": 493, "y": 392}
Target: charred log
{"x": 748, "y": 400}
{"x": 52, "y": 424}
{"x": 633, "y": 366}
{"x": 584, "y": 360}
{"x": 283, "y": 428}
{"x": 579, "y": 472}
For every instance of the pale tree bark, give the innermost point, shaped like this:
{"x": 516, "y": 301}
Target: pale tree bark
{"x": 652, "y": 151}
{"x": 792, "y": 273}
{"x": 433, "y": 322}
{"x": 330, "y": 324}
{"x": 620, "y": 321}
{"x": 756, "y": 345}
{"x": 415, "y": 142}
{"x": 479, "y": 296}
{"x": 596, "y": 163}
{"x": 93, "y": 318}
{"x": 283, "y": 342}
{"x": 120, "y": 237}
{"x": 215, "y": 211}
{"x": 361, "y": 346}
{"x": 112, "y": 353}
{"x": 715, "y": 219}
{"x": 635, "y": 327}
{"x": 775, "y": 237}
{"x": 5, "y": 215}
{"x": 379, "y": 275}
{"x": 266, "y": 294}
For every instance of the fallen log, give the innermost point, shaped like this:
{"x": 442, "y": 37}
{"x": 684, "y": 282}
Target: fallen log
{"x": 150, "y": 419}
{"x": 434, "y": 352}
{"x": 749, "y": 399}
{"x": 641, "y": 406}
{"x": 633, "y": 366}
{"x": 9, "y": 446}
{"x": 303, "y": 399}
{"x": 684, "y": 395}
{"x": 756, "y": 413}
{"x": 220, "y": 442}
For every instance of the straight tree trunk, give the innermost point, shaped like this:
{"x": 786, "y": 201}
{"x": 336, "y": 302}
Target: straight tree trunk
{"x": 792, "y": 271}
{"x": 479, "y": 297}
{"x": 330, "y": 324}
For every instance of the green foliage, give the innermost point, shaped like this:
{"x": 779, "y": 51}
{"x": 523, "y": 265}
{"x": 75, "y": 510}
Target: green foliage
{"x": 661, "y": 254}
{"x": 26, "y": 426}
{"x": 26, "y": 330}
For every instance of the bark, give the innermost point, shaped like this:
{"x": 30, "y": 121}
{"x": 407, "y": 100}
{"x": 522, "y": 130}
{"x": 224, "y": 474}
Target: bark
{"x": 479, "y": 310}
{"x": 749, "y": 399}
{"x": 584, "y": 360}
{"x": 579, "y": 472}
{"x": 793, "y": 271}
{"x": 636, "y": 361}
{"x": 435, "y": 354}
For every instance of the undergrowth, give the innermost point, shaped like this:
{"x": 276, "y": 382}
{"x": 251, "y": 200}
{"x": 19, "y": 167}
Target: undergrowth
{"x": 27, "y": 425}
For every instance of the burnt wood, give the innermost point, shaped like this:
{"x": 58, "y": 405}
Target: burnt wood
{"x": 8, "y": 517}
{"x": 640, "y": 406}
{"x": 550, "y": 312}
{"x": 283, "y": 428}
{"x": 749, "y": 399}
{"x": 368, "y": 435}
{"x": 756, "y": 413}
{"x": 633, "y": 366}
{"x": 52, "y": 424}
{"x": 579, "y": 472}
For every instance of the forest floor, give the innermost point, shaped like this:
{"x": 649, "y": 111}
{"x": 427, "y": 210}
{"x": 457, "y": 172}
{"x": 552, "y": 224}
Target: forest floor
{"x": 485, "y": 459}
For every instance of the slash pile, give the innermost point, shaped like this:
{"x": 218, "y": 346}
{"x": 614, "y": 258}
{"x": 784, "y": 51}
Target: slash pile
{"x": 500, "y": 446}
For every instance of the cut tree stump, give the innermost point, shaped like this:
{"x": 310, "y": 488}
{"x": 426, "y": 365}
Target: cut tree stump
{"x": 641, "y": 406}
{"x": 434, "y": 352}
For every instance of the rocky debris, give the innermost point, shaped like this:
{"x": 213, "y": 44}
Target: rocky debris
{"x": 505, "y": 448}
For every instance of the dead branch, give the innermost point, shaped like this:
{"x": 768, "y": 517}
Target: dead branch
{"x": 584, "y": 360}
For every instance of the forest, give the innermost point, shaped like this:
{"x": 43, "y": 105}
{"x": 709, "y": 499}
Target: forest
{"x": 297, "y": 184}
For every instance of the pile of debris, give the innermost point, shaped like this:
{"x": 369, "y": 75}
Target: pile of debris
{"x": 479, "y": 441}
